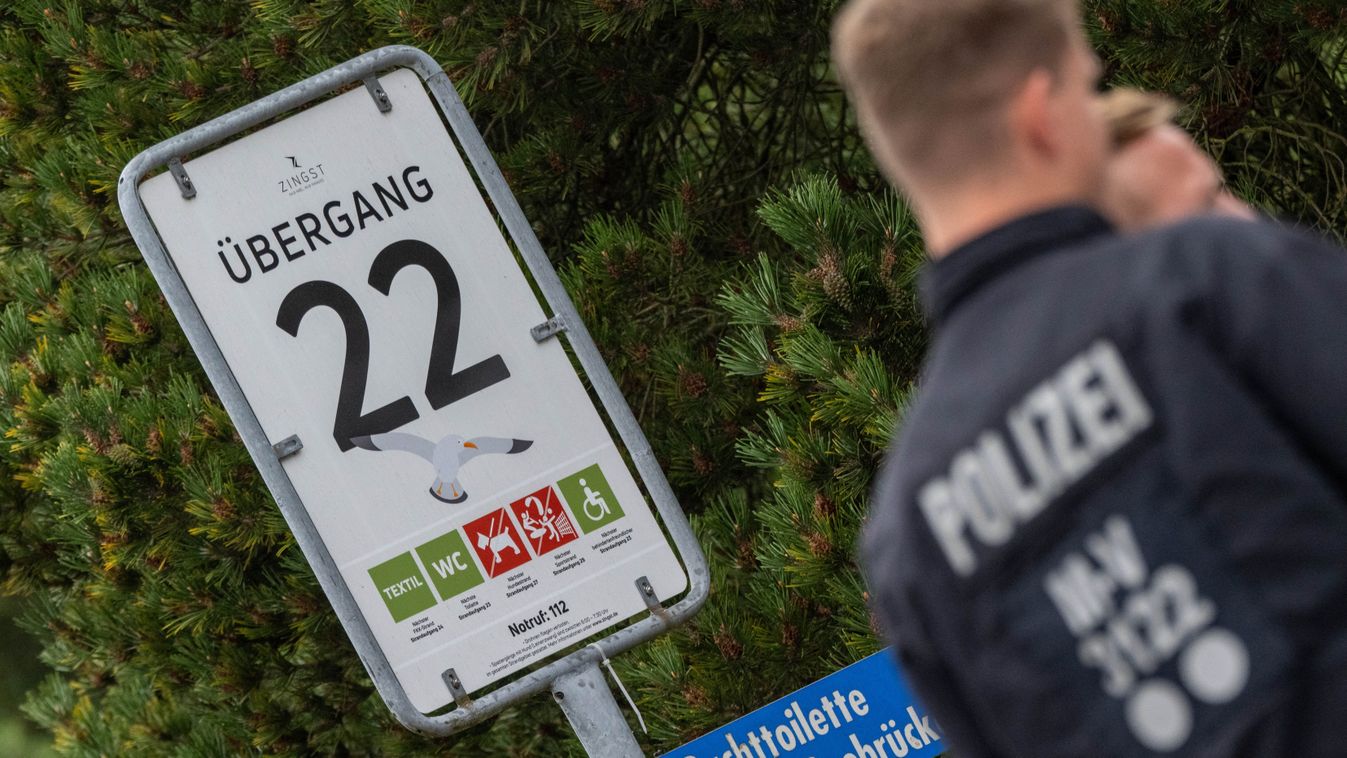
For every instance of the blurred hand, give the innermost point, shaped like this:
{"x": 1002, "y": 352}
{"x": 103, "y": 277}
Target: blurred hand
{"x": 1163, "y": 176}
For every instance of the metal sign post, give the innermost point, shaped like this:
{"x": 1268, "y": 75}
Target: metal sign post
{"x": 408, "y": 400}
{"x": 593, "y": 713}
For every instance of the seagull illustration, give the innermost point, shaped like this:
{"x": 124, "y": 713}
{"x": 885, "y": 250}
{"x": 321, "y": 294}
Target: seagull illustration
{"x": 447, "y": 456}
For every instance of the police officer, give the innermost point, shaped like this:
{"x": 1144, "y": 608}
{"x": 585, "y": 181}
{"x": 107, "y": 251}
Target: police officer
{"x": 1114, "y": 521}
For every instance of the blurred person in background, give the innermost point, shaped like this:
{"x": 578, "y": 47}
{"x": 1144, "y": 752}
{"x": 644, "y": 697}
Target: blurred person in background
{"x": 1113, "y": 522}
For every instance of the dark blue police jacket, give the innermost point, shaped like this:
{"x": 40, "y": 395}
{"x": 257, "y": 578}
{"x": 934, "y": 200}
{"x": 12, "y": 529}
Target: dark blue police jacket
{"x": 1114, "y": 521}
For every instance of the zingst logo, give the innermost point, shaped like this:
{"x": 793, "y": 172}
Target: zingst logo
{"x": 302, "y": 179}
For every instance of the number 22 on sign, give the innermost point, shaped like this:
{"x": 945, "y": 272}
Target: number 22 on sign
{"x": 443, "y": 384}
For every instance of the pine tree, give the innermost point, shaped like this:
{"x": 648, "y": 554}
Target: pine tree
{"x": 22, "y": 670}
{"x": 825, "y": 324}
{"x": 832, "y": 334}
{"x": 768, "y": 339}
{"x": 1264, "y": 87}
{"x": 176, "y": 610}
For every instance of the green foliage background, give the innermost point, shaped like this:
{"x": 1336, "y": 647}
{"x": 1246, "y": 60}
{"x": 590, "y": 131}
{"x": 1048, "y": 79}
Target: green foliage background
{"x": 691, "y": 168}
{"x": 21, "y": 671}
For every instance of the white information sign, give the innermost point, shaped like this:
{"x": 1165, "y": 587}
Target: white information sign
{"x": 457, "y": 471}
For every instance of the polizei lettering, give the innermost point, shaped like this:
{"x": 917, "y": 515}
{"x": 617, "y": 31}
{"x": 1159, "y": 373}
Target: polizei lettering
{"x": 337, "y": 219}
{"x": 1055, "y": 436}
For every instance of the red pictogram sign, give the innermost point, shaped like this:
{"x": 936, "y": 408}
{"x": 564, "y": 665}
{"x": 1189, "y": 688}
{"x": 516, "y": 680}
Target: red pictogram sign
{"x": 547, "y": 525}
{"x": 497, "y": 542}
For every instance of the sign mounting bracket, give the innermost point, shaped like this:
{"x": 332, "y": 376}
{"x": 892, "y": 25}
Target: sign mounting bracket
{"x": 652, "y": 602}
{"x": 456, "y": 689}
{"x": 180, "y": 176}
{"x": 288, "y": 447}
{"x": 377, "y": 92}
{"x": 548, "y": 329}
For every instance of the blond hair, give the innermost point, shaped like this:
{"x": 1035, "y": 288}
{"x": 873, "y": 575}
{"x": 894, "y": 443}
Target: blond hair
{"x": 1131, "y": 113}
{"x": 930, "y": 79}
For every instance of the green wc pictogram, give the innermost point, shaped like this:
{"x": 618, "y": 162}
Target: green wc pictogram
{"x": 449, "y": 562}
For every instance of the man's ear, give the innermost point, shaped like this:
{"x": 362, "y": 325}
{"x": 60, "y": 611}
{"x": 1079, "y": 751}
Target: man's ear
{"x": 1032, "y": 121}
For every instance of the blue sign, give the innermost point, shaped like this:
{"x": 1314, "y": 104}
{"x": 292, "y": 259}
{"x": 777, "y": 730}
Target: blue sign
{"x": 863, "y": 711}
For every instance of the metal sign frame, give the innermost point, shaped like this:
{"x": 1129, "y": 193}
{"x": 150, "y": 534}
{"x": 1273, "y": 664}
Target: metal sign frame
{"x": 580, "y": 664}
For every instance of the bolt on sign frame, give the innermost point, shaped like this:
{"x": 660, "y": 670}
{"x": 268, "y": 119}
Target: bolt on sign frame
{"x": 572, "y": 678}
